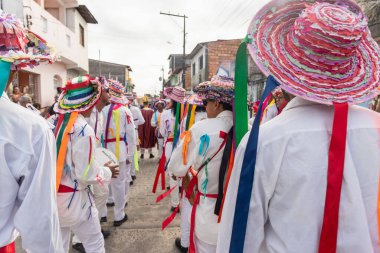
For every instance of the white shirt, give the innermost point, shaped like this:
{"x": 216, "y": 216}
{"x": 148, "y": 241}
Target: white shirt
{"x": 96, "y": 121}
{"x": 138, "y": 119}
{"x": 127, "y": 128}
{"x": 288, "y": 196}
{"x": 27, "y": 180}
{"x": 81, "y": 170}
{"x": 206, "y": 226}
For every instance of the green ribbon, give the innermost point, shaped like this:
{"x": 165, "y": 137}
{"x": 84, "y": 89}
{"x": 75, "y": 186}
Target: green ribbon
{"x": 241, "y": 94}
{"x": 62, "y": 130}
{"x": 5, "y": 68}
{"x": 175, "y": 136}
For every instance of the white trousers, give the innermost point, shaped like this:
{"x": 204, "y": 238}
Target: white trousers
{"x": 174, "y": 195}
{"x": 88, "y": 232}
{"x": 160, "y": 146}
{"x": 203, "y": 247}
{"x": 128, "y": 178}
{"x": 103, "y": 212}
{"x": 133, "y": 167}
{"x": 118, "y": 187}
{"x": 185, "y": 221}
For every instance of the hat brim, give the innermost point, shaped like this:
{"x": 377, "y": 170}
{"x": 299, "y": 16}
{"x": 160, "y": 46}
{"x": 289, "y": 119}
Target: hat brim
{"x": 269, "y": 29}
{"x": 61, "y": 108}
{"x": 174, "y": 97}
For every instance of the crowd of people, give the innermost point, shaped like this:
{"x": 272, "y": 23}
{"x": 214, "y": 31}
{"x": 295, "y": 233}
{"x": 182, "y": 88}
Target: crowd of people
{"x": 303, "y": 178}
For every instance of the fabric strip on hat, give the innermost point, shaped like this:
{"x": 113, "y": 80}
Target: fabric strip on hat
{"x": 246, "y": 178}
{"x": 5, "y": 68}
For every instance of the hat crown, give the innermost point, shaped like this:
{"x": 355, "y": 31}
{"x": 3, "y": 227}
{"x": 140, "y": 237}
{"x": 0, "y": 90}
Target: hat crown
{"x": 328, "y": 29}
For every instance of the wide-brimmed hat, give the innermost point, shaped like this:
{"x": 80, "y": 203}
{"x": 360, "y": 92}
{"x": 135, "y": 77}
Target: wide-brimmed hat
{"x": 320, "y": 51}
{"x": 220, "y": 88}
{"x": 160, "y": 101}
{"x": 80, "y": 94}
{"x": 21, "y": 47}
{"x": 195, "y": 99}
{"x": 175, "y": 93}
{"x": 116, "y": 90}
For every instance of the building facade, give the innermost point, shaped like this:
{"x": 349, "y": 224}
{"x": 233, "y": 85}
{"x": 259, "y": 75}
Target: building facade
{"x": 63, "y": 24}
{"x": 119, "y": 72}
{"x": 175, "y": 77}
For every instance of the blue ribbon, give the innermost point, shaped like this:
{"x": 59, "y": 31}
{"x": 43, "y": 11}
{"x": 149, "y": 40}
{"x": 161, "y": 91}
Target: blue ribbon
{"x": 247, "y": 177}
{"x": 5, "y": 68}
{"x": 205, "y": 140}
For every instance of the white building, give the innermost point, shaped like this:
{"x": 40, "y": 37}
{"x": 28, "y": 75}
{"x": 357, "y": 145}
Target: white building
{"x": 63, "y": 24}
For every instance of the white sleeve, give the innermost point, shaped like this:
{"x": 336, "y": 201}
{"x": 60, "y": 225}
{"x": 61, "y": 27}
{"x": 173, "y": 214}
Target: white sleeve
{"x": 176, "y": 164}
{"x": 130, "y": 132}
{"x": 153, "y": 121}
{"x": 37, "y": 217}
{"x": 87, "y": 170}
{"x": 140, "y": 117}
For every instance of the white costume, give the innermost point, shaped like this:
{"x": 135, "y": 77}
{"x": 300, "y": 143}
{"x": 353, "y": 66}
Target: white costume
{"x": 166, "y": 130}
{"x": 27, "y": 180}
{"x": 288, "y": 195}
{"x": 156, "y": 122}
{"x": 206, "y": 226}
{"x": 127, "y": 147}
{"x": 138, "y": 120}
{"x": 77, "y": 211}
{"x": 271, "y": 112}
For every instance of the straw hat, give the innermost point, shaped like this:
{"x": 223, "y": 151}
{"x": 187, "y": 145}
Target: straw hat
{"x": 116, "y": 90}
{"x": 320, "y": 51}
{"x": 160, "y": 101}
{"x": 80, "y": 94}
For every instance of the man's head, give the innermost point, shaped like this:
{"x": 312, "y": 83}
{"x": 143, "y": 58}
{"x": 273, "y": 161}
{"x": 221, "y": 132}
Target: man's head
{"x": 16, "y": 90}
{"x": 24, "y": 100}
{"x": 160, "y": 107}
{"x": 214, "y": 107}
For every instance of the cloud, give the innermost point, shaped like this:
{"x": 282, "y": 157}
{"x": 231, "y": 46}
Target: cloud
{"x": 134, "y": 33}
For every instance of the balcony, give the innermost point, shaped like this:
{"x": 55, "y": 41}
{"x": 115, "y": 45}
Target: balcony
{"x": 65, "y": 40}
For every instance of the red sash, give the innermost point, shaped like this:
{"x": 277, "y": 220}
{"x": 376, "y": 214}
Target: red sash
{"x": 10, "y": 248}
{"x": 64, "y": 189}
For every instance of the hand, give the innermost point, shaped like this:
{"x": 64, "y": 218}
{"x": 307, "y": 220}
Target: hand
{"x": 113, "y": 168}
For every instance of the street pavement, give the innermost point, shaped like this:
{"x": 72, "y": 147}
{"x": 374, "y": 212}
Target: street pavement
{"x": 142, "y": 232}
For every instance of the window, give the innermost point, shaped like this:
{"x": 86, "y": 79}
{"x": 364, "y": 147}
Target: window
{"x": 68, "y": 40}
{"x": 81, "y": 35}
{"x": 200, "y": 62}
{"x": 193, "y": 68}
{"x": 44, "y": 24}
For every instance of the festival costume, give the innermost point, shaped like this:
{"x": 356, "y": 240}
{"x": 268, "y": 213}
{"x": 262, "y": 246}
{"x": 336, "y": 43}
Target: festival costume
{"x": 156, "y": 123}
{"x": 308, "y": 181}
{"x": 27, "y": 166}
{"x": 120, "y": 138}
{"x": 77, "y": 165}
{"x": 138, "y": 119}
{"x": 202, "y": 149}
{"x": 146, "y": 131}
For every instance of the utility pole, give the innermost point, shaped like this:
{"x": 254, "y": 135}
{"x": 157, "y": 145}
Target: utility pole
{"x": 184, "y": 44}
{"x": 163, "y": 80}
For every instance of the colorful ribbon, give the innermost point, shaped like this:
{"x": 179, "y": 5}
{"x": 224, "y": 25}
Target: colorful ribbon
{"x": 247, "y": 177}
{"x": 186, "y": 136}
{"x": 62, "y": 142}
{"x": 177, "y": 115}
{"x": 192, "y": 116}
{"x": 241, "y": 93}
{"x": 116, "y": 119}
{"x": 203, "y": 146}
{"x": 337, "y": 151}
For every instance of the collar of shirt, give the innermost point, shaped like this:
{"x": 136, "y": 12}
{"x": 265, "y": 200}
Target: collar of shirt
{"x": 5, "y": 95}
{"x": 300, "y": 102}
{"x": 225, "y": 114}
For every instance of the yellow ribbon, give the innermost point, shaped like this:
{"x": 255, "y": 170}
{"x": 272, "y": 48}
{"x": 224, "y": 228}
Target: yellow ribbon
{"x": 116, "y": 118}
{"x": 186, "y": 136}
{"x": 136, "y": 161}
{"x": 192, "y": 116}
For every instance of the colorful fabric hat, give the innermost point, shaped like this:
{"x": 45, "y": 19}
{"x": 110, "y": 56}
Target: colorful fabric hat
{"x": 220, "y": 88}
{"x": 175, "y": 93}
{"x": 129, "y": 95}
{"x": 22, "y": 47}
{"x": 160, "y": 101}
{"x": 321, "y": 51}
{"x": 80, "y": 94}
{"x": 103, "y": 81}
{"x": 116, "y": 90}
{"x": 195, "y": 99}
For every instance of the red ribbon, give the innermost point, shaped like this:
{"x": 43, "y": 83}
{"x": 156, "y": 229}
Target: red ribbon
{"x": 329, "y": 233}
{"x": 10, "y": 248}
{"x": 161, "y": 169}
{"x": 193, "y": 215}
{"x": 64, "y": 189}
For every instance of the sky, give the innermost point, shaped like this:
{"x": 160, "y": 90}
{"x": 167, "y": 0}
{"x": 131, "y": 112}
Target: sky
{"x": 132, "y": 32}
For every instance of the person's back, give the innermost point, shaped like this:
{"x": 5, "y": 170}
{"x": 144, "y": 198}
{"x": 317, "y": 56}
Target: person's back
{"x": 292, "y": 168}
{"x": 27, "y": 150}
